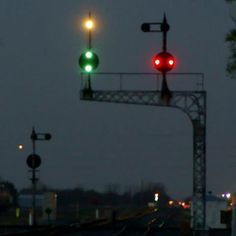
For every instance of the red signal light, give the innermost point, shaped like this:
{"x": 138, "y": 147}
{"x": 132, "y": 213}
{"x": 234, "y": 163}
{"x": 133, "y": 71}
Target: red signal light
{"x": 157, "y": 62}
{"x": 164, "y": 62}
{"x": 171, "y": 62}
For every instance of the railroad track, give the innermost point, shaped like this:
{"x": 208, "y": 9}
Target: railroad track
{"x": 143, "y": 223}
{"x": 151, "y": 223}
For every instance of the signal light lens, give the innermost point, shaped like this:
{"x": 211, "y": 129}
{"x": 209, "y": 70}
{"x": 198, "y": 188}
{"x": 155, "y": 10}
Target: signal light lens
{"x": 171, "y": 62}
{"x": 89, "y": 54}
{"x": 157, "y": 62}
{"x": 88, "y": 68}
{"x": 89, "y": 24}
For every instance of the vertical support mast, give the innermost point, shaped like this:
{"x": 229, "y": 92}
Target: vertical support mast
{"x": 90, "y": 33}
{"x": 33, "y": 179}
{"x": 89, "y": 47}
{"x": 165, "y": 92}
{"x": 164, "y": 28}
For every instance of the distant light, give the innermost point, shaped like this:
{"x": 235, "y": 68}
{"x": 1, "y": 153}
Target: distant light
{"x": 185, "y": 205}
{"x": 171, "y": 202}
{"x": 156, "y": 197}
{"x": 17, "y": 212}
{"x": 20, "y": 146}
{"x": 89, "y": 24}
{"x": 226, "y": 195}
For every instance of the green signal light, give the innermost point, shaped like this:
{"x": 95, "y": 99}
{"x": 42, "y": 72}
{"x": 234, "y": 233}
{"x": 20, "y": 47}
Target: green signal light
{"x": 88, "y": 68}
{"x": 88, "y": 61}
{"x": 89, "y": 55}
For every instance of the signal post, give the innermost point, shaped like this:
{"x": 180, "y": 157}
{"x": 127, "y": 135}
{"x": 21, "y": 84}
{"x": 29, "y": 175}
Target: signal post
{"x": 34, "y": 161}
{"x": 88, "y": 60}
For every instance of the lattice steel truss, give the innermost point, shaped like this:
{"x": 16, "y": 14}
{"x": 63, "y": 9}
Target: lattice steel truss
{"x": 193, "y": 103}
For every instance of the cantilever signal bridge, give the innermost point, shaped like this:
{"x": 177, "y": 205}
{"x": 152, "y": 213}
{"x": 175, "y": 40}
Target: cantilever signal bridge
{"x": 187, "y": 94}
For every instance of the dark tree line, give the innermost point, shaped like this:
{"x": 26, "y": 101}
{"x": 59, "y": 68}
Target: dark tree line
{"x": 8, "y": 195}
{"x": 141, "y": 197}
{"x": 112, "y": 196}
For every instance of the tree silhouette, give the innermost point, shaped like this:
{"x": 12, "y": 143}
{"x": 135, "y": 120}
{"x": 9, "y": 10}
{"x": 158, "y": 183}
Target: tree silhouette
{"x": 231, "y": 39}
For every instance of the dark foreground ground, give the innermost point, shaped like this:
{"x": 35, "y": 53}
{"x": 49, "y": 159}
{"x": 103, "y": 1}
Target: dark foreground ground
{"x": 145, "y": 222}
{"x": 109, "y": 231}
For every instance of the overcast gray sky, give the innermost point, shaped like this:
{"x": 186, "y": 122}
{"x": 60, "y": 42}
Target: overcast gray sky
{"x": 95, "y": 144}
